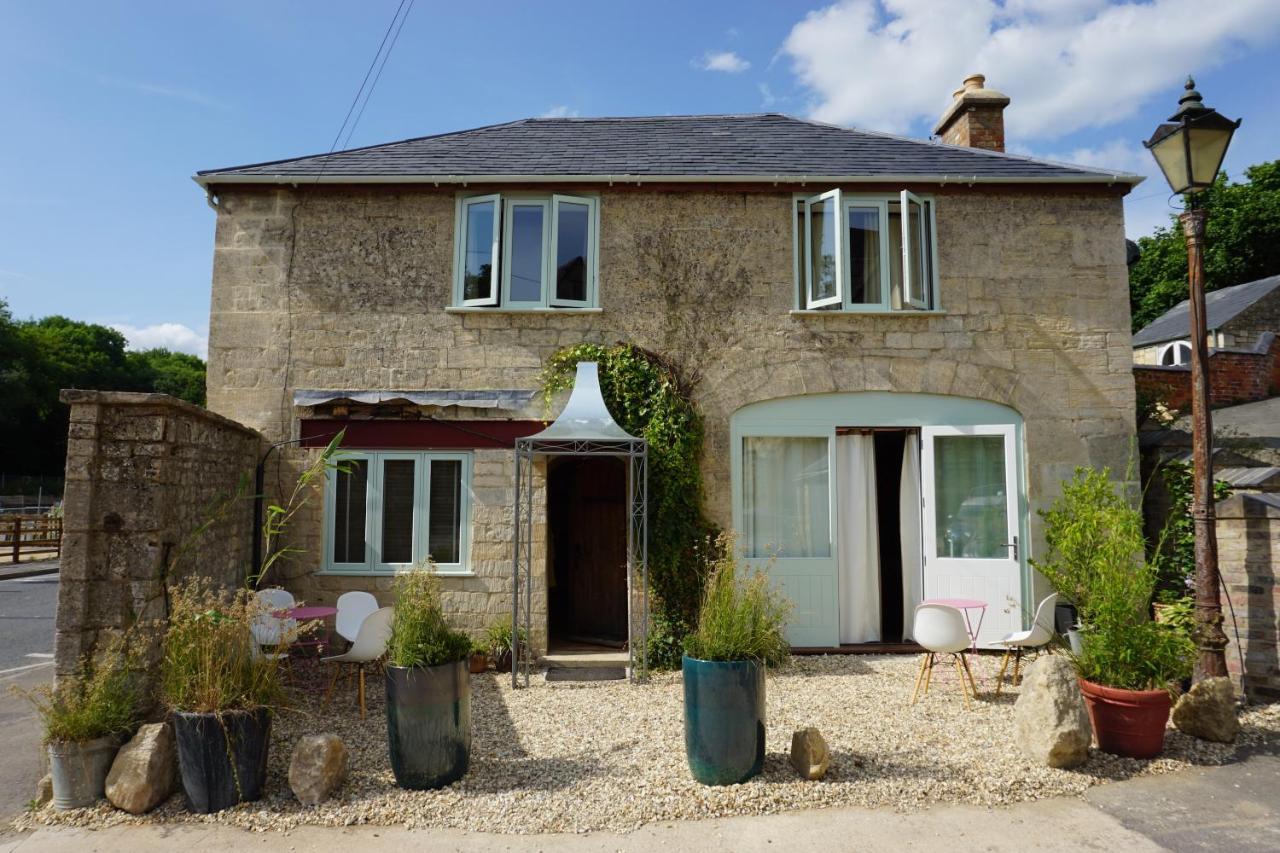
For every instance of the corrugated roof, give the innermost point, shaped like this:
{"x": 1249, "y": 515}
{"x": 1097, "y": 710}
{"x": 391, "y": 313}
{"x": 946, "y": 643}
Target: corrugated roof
{"x": 713, "y": 147}
{"x": 1220, "y": 307}
{"x": 1243, "y": 478}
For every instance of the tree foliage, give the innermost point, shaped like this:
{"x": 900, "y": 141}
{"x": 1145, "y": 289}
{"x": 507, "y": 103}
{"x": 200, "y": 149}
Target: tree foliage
{"x": 1242, "y": 244}
{"x": 38, "y": 358}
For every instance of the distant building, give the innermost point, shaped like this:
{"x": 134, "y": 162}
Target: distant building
{"x": 1236, "y": 317}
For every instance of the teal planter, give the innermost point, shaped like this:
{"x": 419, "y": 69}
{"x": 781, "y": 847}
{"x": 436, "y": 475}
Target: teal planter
{"x": 429, "y": 724}
{"x": 723, "y": 720}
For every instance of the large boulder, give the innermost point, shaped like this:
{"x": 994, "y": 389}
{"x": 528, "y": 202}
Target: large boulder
{"x": 809, "y": 753}
{"x": 1050, "y": 721}
{"x": 1208, "y": 711}
{"x": 145, "y": 770}
{"x": 318, "y": 767}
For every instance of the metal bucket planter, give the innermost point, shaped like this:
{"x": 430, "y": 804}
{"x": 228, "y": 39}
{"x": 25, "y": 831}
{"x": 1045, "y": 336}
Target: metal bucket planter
{"x": 723, "y": 720}
{"x": 429, "y": 724}
{"x": 1127, "y": 722}
{"x": 79, "y": 770}
{"x": 222, "y": 758}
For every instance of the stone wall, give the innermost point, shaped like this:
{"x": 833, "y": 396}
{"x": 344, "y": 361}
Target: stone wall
{"x": 1248, "y": 556}
{"x": 347, "y": 288}
{"x": 1261, "y": 317}
{"x": 143, "y": 472}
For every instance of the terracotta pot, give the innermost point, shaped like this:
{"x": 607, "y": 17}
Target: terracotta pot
{"x": 479, "y": 663}
{"x": 1127, "y": 722}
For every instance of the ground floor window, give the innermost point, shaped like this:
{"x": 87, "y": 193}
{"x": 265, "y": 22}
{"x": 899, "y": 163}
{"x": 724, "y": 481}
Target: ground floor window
{"x": 390, "y": 510}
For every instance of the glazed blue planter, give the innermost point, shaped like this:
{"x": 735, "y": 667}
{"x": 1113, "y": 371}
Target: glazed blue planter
{"x": 429, "y": 724}
{"x": 723, "y": 719}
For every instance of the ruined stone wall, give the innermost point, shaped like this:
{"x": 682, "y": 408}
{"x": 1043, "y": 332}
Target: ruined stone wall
{"x": 1248, "y": 554}
{"x": 143, "y": 472}
{"x": 347, "y": 288}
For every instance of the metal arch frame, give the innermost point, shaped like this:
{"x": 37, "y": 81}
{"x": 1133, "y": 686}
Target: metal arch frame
{"x": 636, "y": 453}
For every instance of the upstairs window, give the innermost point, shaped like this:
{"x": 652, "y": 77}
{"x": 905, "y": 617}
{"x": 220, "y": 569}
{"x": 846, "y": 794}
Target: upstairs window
{"x": 861, "y": 253}
{"x": 526, "y": 252}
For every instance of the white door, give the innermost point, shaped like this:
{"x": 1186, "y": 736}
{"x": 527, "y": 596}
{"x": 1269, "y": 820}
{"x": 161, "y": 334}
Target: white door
{"x": 970, "y": 522}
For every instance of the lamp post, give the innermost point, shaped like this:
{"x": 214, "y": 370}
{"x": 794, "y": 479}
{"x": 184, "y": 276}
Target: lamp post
{"x": 1189, "y": 151}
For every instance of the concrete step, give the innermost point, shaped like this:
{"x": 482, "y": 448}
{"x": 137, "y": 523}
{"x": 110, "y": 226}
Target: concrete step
{"x": 584, "y": 659}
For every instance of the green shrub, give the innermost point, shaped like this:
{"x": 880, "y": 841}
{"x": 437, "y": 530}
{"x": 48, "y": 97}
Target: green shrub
{"x": 498, "y": 638}
{"x": 420, "y": 636}
{"x": 103, "y": 698}
{"x": 211, "y": 662}
{"x": 742, "y": 616}
{"x": 666, "y": 641}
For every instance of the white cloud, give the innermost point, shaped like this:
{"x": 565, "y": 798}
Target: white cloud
{"x": 159, "y": 90}
{"x": 171, "y": 336}
{"x": 767, "y": 98}
{"x": 726, "y": 61}
{"x": 560, "y": 111}
{"x": 1067, "y": 64}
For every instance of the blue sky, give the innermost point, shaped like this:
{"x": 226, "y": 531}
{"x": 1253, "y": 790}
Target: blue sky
{"x": 111, "y": 107}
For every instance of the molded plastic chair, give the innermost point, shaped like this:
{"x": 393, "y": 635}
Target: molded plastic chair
{"x": 353, "y": 607}
{"x": 942, "y": 630}
{"x": 271, "y": 630}
{"x": 1036, "y": 637}
{"x": 369, "y": 645}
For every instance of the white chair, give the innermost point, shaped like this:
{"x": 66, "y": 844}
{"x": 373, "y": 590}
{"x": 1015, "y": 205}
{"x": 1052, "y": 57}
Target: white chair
{"x": 1036, "y": 638}
{"x": 353, "y": 607}
{"x": 369, "y": 645}
{"x": 942, "y": 630}
{"x": 269, "y": 629}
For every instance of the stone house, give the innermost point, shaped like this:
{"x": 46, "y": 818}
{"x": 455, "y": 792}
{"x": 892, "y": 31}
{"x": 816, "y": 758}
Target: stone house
{"x": 1236, "y": 318}
{"x": 901, "y": 347}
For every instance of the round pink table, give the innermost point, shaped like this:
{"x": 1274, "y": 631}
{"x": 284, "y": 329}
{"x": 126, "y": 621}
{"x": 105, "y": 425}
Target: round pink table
{"x": 964, "y": 605}
{"x": 304, "y": 613}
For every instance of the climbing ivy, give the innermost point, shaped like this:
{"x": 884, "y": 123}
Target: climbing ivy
{"x": 648, "y": 397}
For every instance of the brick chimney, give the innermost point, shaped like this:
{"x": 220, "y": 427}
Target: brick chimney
{"x": 975, "y": 117}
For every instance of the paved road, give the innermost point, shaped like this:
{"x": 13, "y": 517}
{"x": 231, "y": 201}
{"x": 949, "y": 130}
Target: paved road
{"x": 27, "y": 608}
{"x": 26, "y": 628}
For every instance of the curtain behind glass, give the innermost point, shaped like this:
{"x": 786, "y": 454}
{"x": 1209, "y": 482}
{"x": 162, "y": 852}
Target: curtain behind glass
{"x": 786, "y": 497}
{"x": 969, "y": 481}
{"x": 864, "y": 255}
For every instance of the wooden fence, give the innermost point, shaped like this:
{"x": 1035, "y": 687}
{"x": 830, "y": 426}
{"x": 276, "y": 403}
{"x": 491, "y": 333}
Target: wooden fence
{"x": 29, "y": 534}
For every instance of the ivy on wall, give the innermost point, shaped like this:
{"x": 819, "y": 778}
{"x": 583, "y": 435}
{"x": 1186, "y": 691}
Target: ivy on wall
{"x": 1175, "y": 557}
{"x": 648, "y": 397}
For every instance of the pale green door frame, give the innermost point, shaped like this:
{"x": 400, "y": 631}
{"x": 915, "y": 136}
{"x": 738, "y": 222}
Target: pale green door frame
{"x": 812, "y": 582}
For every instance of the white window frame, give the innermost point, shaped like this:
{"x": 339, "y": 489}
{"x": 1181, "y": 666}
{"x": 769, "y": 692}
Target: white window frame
{"x": 500, "y": 295}
{"x": 905, "y": 200}
{"x": 373, "y": 563}
{"x": 1175, "y": 346}
{"x": 928, "y": 260}
{"x": 841, "y": 249}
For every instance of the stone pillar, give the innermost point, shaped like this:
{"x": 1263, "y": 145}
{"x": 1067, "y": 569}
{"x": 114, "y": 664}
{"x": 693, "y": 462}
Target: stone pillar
{"x": 1248, "y": 557}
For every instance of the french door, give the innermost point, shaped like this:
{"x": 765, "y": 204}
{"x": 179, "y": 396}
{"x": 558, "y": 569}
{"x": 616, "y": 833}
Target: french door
{"x": 970, "y": 524}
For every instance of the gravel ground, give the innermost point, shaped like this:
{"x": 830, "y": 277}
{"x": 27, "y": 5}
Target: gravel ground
{"x": 568, "y": 757}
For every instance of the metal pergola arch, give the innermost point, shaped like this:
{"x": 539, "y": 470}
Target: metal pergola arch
{"x": 584, "y": 428}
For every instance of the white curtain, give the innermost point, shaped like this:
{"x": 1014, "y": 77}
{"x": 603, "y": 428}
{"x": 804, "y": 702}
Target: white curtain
{"x": 785, "y": 497}
{"x": 858, "y": 548}
{"x": 909, "y": 515}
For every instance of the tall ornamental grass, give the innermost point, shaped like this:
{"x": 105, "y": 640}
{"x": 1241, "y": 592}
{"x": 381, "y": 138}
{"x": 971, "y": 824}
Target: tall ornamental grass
{"x": 103, "y": 698}
{"x": 420, "y": 636}
{"x": 742, "y": 616}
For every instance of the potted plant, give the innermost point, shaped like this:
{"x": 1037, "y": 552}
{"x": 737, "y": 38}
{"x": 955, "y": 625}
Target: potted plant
{"x": 1128, "y": 665}
{"x": 503, "y": 643}
{"x": 220, "y": 691}
{"x": 479, "y": 660}
{"x": 428, "y": 687}
{"x": 739, "y": 632}
{"x": 86, "y": 718}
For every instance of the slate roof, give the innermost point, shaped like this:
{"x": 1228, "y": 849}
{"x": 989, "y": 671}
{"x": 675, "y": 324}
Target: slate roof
{"x": 712, "y": 147}
{"x": 1220, "y": 307}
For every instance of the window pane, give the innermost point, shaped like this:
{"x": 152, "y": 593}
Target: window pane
{"x": 864, "y": 255}
{"x": 445, "y": 511}
{"x": 397, "y": 510}
{"x": 573, "y": 221}
{"x": 526, "y": 253}
{"x": 785, "y": 501}
{"x": 800, "y": 250}
{"x": 822, "y": 248}
{"x": 897, "y": 298}
{"x": 349, "y": 512}
{"x": 476, "y": 278}
{"x": 914, "y": 257}
{"x": 973, "y": 509}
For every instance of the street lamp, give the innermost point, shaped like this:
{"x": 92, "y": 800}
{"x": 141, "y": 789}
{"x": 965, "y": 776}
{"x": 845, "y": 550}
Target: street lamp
{"x": 1189, "y": 151}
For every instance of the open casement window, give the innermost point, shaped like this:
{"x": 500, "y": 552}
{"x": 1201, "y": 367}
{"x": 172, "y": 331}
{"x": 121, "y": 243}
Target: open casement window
{"x": 525, "y": 252}
{"x": 388, "y": 512}
{"x": 917, "y": 275}
{"x": 823, "y": 252}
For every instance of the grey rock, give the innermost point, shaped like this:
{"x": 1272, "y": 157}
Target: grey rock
{"x": 318, "y": 767}
{"x": 809, "y": 753}
{"x": 44, "y": 790}
{"x": 145, "y": 770}
{"x": 1208, "y": 711}
{"x": 1050, "y": 721}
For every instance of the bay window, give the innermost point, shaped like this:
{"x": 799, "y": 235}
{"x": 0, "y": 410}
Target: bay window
{"x": 859, "y": 252}
{"x": 388, "y": 511}
{"x": 526, "y": 252}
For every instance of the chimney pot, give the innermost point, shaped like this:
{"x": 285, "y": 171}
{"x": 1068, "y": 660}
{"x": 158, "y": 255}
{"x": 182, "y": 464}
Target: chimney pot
{"x": 975, "y": 117}
{"x": 975, "y": 81}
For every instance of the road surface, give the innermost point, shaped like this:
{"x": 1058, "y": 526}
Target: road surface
{"x": 27, "y": 608}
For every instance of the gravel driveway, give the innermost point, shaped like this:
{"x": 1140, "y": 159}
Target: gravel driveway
{"x": 610, "y": 755}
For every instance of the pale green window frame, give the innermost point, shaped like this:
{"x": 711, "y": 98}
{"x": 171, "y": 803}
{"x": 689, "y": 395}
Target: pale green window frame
{"x": 919, "y": 292}
{"x": 373, "y": 563}
{"x": 499, "y": 298}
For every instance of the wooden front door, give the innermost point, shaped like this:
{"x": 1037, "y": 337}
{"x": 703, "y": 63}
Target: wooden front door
{"x": 588, "y": 514}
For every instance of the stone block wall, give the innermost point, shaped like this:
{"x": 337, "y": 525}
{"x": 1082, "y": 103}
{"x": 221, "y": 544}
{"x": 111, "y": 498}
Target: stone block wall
{"x": 143, "y": 472}
{"x": 1248, "y": 559}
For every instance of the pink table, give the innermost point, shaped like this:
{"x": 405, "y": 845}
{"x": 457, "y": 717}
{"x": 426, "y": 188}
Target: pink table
{"x": 964, "y": 605}
{"x": 304, "y": 613}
